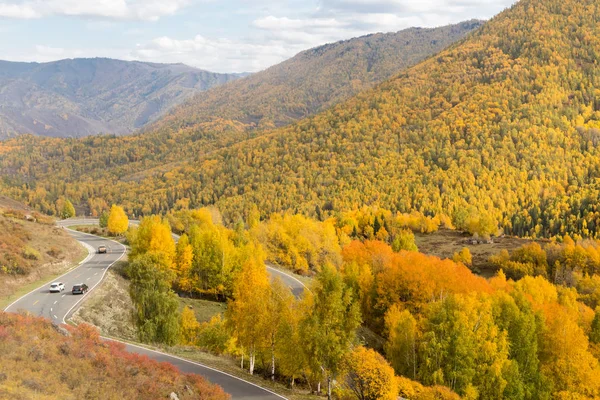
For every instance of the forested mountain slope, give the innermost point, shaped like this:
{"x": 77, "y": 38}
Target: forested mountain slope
{"x": 44, "y": 165}
{"x": 313, "y": 80}
{"x": 80, "y": 97}
{"x": 506, "y": 123}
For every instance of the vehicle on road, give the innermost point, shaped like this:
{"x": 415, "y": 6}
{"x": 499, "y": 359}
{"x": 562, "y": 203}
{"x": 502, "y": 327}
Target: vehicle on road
{"x": 80, "y": 288}
{"x": 57, "y": 287}
{"x": 102, "y": 249}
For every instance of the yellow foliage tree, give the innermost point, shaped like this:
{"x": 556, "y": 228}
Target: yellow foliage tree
{"x": 299, "y": 243}
{"x": 153, "y": 236}
{"x": 565, "y": 355}
{"x": 401, "y": 346}
{"x": 183, "y": 264}
{"x": 464, "y": 256}
{"x": 415, "y": 391}
{"x": 68, "y": 211}
{"x": 189, "y": 326}
{"x": 369, "y": 375}
{"x": 117, "y": 220}
{"x": 248, "y": 311}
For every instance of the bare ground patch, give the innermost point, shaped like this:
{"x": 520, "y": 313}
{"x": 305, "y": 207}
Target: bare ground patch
{"x": 445, "y": 243}
{"x": 109, "y": 307}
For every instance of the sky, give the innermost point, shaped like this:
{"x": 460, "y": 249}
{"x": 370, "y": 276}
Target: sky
{"x": 215, "y": 35}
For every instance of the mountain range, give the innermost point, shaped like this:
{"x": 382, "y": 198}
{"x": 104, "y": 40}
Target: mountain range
{"x": 502, "y": 124}
{"x": 192, "y": 129}
{"x": 313, "y": 80}
{"x": 81, "y": 97}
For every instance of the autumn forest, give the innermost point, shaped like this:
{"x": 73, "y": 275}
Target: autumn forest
{"x": 492, "y": 134}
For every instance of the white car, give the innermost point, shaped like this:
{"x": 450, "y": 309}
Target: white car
{"x": 57, "y": 287}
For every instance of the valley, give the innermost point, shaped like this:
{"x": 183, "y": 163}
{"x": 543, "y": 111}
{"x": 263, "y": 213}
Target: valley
{"x": 471, "y": 147}
{"x": 405, "y": 215}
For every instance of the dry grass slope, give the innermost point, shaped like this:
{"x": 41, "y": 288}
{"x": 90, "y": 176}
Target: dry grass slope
{"x": 31, "y": 249}
{"x": 41, "y": 361}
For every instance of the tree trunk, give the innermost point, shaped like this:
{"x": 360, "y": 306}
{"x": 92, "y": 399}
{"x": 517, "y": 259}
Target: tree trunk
{"x": 251, "y": 356}
{"x": 242, "y": 364}
{"x": 319, "y": 387}
{"x": 328, "y": 387}
{"x": 273, "y": 362}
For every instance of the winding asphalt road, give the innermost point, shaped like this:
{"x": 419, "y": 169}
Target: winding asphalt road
{"x": 58, "y": 307}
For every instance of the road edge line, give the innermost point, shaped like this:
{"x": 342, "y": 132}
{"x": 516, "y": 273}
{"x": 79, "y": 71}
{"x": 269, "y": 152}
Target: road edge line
{"x": 288, "y": 275}
{"x": 101, "y": 278}
{"x": 195, "y": 363}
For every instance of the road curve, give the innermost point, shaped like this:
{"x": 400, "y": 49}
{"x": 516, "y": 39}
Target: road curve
{"x": 58, "y": 307}
{"x": 295, "y": 285}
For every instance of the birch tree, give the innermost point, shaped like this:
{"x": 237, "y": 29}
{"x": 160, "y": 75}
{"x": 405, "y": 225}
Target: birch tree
{"x": 329, "y": 328}
{"x": 248, "y": 310}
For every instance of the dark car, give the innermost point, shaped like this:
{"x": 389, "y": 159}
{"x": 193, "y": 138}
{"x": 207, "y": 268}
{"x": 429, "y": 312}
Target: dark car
{"x": 80, "y": 288}
{"x": 101, "y": 249}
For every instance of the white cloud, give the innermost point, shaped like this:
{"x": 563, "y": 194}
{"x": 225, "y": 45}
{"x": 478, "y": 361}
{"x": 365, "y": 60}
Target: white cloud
{"x": 146, "y": 10}
{"x": 221, "y": 55}
{"x": 47, "y": 52}
{"x": 272, "y": 22}
{"x": 19, "y": 11}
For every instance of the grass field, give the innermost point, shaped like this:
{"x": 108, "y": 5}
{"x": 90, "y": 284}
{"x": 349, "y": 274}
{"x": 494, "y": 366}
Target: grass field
{"x": 109, "y": 307}
{"x": 204, "y": 309}
{"x": 445, "y": 243}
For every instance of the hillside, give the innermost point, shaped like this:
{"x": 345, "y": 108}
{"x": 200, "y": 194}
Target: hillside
{"x": 505, "y": 124}
{"x": 313, "y": 80}
{"x": 41, "y": 361}
{"x": 41, "y": 163}
{"x": 80, "y": 97}
{"x": 31, "y": 249}
{"x": 83, "y": 97}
